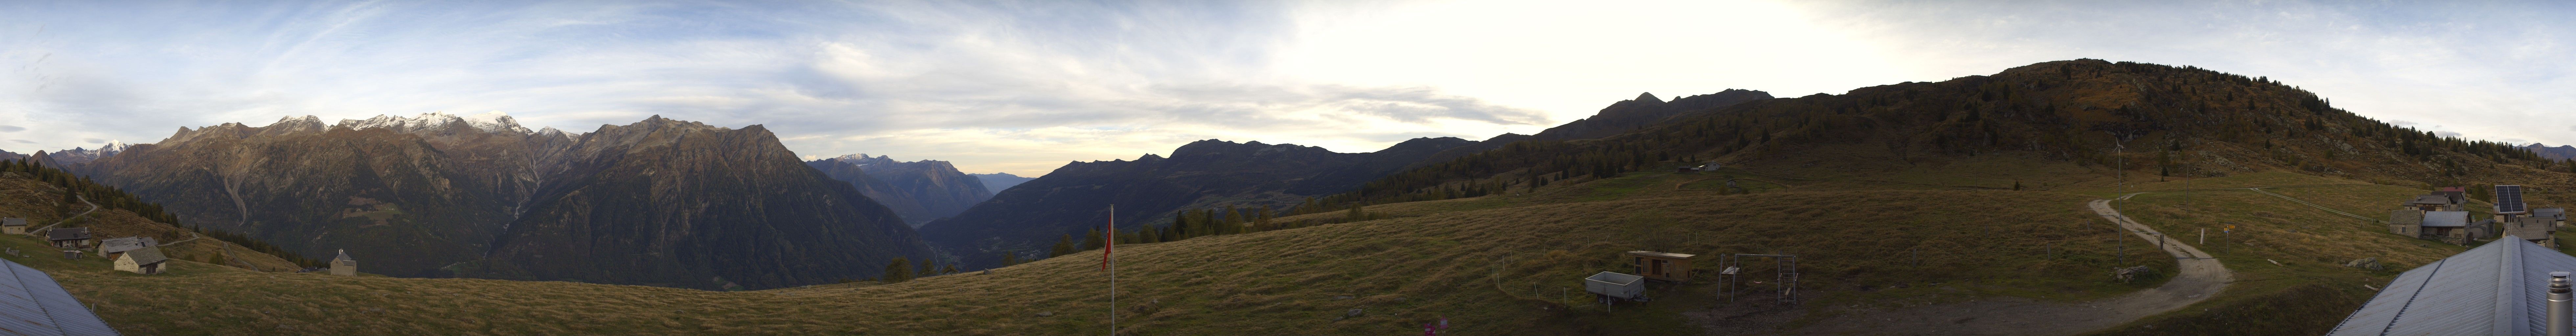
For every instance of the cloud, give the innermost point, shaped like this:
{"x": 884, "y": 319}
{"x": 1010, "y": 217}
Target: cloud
{"x": 21, "y": 141}
{"x": 2448, "y": 134}
{"x": 7, "y": 128}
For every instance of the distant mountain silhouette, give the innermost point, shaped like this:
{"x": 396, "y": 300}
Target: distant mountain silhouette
{"x": 996, "y": 182}
{"x": 1074, "y": 198}
{"x": 919, "y": 191}
{"x": 2561, "y": 153}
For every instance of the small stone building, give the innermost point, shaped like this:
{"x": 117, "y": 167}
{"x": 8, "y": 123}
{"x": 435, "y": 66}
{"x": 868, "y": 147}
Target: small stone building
{"x": 2408, "y": 222}
{"x": 2458, "y": 195}
{"x": 146, "y": 260}
{"x": 69, "y": 238}
{"x": 2433, "y": 203}
{"x": 1672, "y": 267}
{"x": 2556, "y": 216}
{"x": 2538, "y": 230}
{"x": 2449, "y": 226}
{"x": 342, "y": 265}
{"x": 13, "y": 225}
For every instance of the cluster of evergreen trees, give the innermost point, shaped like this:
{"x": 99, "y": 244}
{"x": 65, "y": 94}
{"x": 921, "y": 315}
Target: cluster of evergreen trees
{"x": 78, "y": 188}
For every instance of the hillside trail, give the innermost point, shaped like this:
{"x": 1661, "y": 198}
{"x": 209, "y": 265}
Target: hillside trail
{"x": 2200, "y": 278}
{"x": 93, "y": 207}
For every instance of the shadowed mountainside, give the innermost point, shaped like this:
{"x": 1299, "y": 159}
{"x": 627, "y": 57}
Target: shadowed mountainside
{"x": 1076, "y": 197}
{"x": 438, "y": 194}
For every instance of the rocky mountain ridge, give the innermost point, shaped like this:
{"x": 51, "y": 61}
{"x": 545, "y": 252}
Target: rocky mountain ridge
{"x": 433, "y": 194}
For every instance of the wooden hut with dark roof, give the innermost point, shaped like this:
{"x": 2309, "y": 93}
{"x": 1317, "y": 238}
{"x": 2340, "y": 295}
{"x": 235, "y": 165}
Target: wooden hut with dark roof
{"x": 69, "y": 238}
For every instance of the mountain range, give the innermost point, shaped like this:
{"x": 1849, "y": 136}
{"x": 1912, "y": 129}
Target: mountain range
{"x": 919, "y": 191}
{"x": 658, "y": 202}
{"x": 2562, "y": 152}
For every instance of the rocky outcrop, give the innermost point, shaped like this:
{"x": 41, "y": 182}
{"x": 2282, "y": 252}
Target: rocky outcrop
{"x": 1147, "y": 190}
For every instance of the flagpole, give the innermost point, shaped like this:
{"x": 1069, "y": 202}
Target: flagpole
{"x": 1107, "y": 246}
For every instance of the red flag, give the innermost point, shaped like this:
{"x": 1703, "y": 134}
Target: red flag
{"x": 1111, "y": 242}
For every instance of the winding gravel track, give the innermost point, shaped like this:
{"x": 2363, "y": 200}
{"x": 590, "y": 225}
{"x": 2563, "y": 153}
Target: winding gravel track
{"x": 2201, "y": 277}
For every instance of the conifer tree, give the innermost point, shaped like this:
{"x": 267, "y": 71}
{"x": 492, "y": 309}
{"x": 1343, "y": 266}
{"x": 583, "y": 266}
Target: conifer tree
{"x": 898, "y": 271}
{"x": 1091, "y": 241}
{"x": 1063, "y": 246}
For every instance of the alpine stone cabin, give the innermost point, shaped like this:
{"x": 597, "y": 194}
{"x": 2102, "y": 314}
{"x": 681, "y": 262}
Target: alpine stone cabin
{"x": 342, "y": 265}
{"x": 146, "y": 260}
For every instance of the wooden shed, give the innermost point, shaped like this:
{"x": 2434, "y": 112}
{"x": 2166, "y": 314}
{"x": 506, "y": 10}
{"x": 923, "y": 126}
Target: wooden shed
{"x": 1672, "y": 267}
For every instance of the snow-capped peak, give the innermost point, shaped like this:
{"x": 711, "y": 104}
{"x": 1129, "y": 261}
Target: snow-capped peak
{"x": 81, "y": 155}
{"x": 495, "y": 122}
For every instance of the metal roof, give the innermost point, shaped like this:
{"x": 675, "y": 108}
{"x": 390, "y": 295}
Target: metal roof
{"x": 68, "y": 233}
{"x": 13, "y": 221}
{"x": 344, "y": 256}
{"x": 1614, "y": 278}
{"x": 2552, "y": 213}
{"x": 2446, "y": 218}
{"x": 114, "y": 245}
{"x": 32, "y": 304}
{"x": 2494, "y": 289}
{"x": 1661, "y": 254}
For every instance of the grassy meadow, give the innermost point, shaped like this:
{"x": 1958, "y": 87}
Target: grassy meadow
{"x": 1502, "y": 264}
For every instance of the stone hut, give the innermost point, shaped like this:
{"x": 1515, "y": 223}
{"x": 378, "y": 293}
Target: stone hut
{"x": 146, "y": 260}
{"x": 2433, "y": 203}
{"x": 2408, "y": 222}
{"x": 2538, "y": 230}
{"x": 13, "y": 225}
{"x": 342, "y": 265}
{"x": 69, "y": 238}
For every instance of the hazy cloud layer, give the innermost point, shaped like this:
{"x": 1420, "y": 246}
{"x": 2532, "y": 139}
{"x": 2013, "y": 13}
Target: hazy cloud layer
{"x": 1040, "y": 82}
{"x": 1024, "y": 86}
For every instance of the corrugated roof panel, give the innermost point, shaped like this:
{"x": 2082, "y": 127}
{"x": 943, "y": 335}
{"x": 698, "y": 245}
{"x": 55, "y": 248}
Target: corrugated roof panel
{"x": 68, "y": 313}
{"x": 19, "y": 312}
{"x": 2373, "y": 318}
{"x": 2538, "y": 262}
{"x": 2489, "y": 290}
{"x": 2461, "y": 299}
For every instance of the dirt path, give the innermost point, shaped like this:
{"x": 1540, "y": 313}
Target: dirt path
{"x": 2200, "y": 278}
{"x": 93, "y": 207}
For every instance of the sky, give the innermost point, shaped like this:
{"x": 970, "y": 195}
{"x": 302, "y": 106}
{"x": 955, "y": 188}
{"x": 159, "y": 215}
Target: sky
{"x": 1024, "y": 87}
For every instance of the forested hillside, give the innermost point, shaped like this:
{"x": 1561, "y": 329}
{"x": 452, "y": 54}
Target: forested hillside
{"x": 2167, "y": 120}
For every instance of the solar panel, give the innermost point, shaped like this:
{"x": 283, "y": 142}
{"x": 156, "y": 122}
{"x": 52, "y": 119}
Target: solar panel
{"x": 2508, "y": 199}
